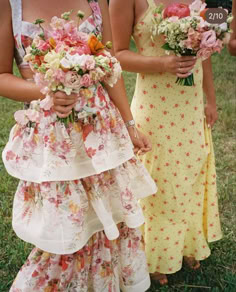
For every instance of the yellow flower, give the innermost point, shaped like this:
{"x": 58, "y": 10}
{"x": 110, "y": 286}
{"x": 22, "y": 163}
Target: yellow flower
{"x": 73, "y": 208}
{"x": 52, "y": 59}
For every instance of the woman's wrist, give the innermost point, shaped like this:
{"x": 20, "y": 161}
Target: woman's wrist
{"x": 157, "y": 63}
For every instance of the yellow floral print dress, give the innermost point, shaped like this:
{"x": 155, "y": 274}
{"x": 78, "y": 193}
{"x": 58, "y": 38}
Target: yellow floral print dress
{"x": 183, "y": 215}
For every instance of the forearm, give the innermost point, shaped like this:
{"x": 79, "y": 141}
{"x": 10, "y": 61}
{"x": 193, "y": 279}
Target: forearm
{"x": 119, "y": 98}
{"x": 232, "y": 47}
{"x": 134, "y": 62}
{"x": 18, "y": 89}
{"x": 208, "y": 83}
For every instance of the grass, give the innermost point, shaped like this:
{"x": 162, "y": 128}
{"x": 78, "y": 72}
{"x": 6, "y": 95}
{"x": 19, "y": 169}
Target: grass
{"x": 218, "y": 272}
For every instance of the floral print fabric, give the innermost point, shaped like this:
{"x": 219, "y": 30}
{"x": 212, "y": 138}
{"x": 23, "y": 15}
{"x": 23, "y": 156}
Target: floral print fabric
{"x": 183, "y": 215}
{"x": 100, "y": 266}
{"x": 60, "y": 217}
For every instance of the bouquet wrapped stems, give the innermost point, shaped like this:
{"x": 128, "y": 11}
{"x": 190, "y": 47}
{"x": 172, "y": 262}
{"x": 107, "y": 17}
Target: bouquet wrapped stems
{"x": 187, "y": 81}
{"x": 71, "y": 118}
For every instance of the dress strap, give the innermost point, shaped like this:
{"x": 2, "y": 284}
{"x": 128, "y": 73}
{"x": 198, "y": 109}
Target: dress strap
{"x": 16, "y": 8}
{"x": 151, "y": 3}
{"x": 97, "y": 14}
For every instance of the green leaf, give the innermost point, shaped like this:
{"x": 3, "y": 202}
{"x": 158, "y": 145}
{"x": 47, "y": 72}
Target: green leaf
{"x": 167, "y": 47}
{"x": 39, "y": 21}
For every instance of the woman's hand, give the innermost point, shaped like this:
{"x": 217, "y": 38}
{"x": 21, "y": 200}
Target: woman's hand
{"x": 180, "y": 66}
{"x": 141, "y": 143}
{"x": 211, "y": 114}
{"x": 63, "y": 103}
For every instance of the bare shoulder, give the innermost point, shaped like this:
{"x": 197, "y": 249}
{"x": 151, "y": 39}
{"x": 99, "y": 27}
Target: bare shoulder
{"x": 6, "y": 37}
{"x": 5, "y": 7}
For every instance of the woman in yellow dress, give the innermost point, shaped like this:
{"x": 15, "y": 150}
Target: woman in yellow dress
{"x": 182, "y": 217}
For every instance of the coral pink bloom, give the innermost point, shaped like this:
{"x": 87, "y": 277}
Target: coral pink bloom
{"x": 204, "y": 53}
{"x": 43, "y": 46}
{"x": 177, "y": 9}
{"x": 194, "y": 39}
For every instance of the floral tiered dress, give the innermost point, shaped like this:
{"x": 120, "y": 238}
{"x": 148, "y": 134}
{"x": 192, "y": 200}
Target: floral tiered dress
{"x": 77, "y": 199}
{"x": 183, "y": 215}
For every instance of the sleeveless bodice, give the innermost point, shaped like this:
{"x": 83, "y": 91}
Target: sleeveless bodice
{"x": 25, "y": 31}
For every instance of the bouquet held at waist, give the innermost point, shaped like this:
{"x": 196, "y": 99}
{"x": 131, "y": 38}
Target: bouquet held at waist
{"x": 63, "y": 58}
{"x": 187, "y": 32}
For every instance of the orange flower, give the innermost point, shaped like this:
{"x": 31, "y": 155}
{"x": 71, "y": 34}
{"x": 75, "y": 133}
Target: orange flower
{"x": 95, "y": 45}
{"x": 203, "y": 13}
{"x": 52, "y": 43}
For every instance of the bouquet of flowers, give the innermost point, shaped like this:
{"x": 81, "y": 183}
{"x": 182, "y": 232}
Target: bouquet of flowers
{"x": 66, "y": 59}
{"x": 187, "y": 33}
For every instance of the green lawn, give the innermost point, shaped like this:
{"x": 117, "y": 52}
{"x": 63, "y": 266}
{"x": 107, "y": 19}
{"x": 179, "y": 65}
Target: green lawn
{"x": 217, "y": 273}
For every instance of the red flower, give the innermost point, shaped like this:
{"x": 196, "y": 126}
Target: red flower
{"x": 177, "y": 9}
{"x": 86, "y": 130}
{"x": 91, "y": 152}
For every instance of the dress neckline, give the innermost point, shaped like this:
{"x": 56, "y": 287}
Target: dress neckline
{"x": 81, "y": 24}
{"x": 151, "y": 5}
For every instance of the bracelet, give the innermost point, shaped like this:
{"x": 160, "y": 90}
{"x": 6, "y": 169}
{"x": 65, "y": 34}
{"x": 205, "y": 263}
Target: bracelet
{"x": 130, "y": 123}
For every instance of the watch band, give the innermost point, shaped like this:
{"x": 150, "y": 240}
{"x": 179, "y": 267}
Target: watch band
{"x": 130, "y": 123}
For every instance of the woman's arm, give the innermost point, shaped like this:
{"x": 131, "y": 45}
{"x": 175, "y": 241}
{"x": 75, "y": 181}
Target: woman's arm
{"x": 122, "y": 13}
{"x": 209, "y": 90}
{"x": 118, "y": 93}
{"x": 232, "y": 42}
{"x": 11, "y": 86}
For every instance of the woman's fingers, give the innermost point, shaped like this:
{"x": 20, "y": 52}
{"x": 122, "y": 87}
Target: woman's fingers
{"x": 186, "y": 64}
{"x": 187, "y": 58}
{"x": 63, "y": 110}
{"x": 60, "y": 98}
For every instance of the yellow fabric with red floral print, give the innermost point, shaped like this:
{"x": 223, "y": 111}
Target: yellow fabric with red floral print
{"x": 183, "y": 215}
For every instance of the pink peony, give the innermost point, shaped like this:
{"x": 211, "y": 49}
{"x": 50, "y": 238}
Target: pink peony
{"x": 176, "y": 9}
{"x": 208, "y": 39}
{"x": 59, "y": 75}
{"x": 86, "y": 81}
{"x": 72, "y": 80}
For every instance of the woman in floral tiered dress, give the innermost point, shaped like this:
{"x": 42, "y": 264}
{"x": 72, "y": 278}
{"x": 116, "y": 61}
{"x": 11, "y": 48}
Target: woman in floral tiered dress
{"x": 79, "y": 185}
{"x": 182, "y": 217}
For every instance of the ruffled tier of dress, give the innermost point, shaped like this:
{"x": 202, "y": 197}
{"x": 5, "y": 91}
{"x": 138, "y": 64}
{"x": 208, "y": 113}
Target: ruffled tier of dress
{"x": 60, "y": 217}
{"x": 41, "y": 148}
{"x": 101, "y": 265}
